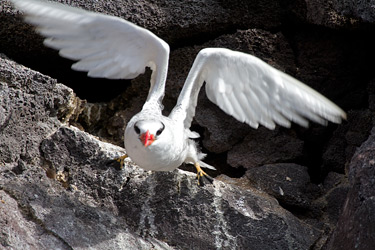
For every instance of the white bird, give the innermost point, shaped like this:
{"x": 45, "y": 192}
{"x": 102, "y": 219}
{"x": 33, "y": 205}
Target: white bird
{"x": 242, "y": 85}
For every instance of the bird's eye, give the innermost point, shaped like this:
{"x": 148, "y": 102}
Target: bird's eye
{"x": 160, "y": 130}
{"x": 136, "y": 129}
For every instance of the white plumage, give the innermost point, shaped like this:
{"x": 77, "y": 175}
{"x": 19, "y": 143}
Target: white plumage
{"x": 242, "y": 85}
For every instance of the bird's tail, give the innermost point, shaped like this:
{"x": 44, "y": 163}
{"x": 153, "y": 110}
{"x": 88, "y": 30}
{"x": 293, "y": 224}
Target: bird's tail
{"x": 205, "y": 165}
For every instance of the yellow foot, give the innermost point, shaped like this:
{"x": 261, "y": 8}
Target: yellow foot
{"x": 202, "y": 177}
{"x": 121, "y": 160}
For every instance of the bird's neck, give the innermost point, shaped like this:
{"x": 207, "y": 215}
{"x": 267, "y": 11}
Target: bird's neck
{"x": 153, "y": 106}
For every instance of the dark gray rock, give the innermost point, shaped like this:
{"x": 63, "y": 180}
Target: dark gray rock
{"x": 371, "y": 94}
{"x": 356, "y": 226}
{"x": 220, "y": 134}
{"x": 21, "y": 233}
{"x": 263, "y": 146}
{"x": 328, "y": 206}
{"x": 360, "y": 10}
{"x": 333, "y": 179}
{"x": 325, "y": 13}
{"x": 347, "y": 138}
{"x": 170, "y": 206}
{"x": 23, "y": 92}
{"x": 288, "y": 183}
{"x": 334, "y": 202}
{"x": 67, "y": 187}
{"x": 336, "y": 14}
{"x": 31, "y": 187}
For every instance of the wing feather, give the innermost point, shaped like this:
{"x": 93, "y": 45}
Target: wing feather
{"x": 104, "y": 46}
{"x": 252, "y": 91}
{"x": 256, "y": 97}
{"x": 279, "y": 118}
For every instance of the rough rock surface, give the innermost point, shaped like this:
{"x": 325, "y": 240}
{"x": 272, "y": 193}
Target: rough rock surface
{"x": 287, "y": 182}
{"x": 37, "y": 210}
{"x": 59, "y": 187}
{"x": 170, "y": 206}
{"x": 70, "y": 190}
{"x": 263, "y": 146}
{"x": 356, "y": 226}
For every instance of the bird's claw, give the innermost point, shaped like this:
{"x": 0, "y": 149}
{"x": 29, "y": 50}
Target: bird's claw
{"x": 121, "y": 160}
{"x": 202, "y": 177}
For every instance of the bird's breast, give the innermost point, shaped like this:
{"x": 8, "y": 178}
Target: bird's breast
{"x": 157, "y": 156}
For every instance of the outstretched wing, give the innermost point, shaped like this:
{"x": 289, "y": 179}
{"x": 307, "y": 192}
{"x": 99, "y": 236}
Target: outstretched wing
{"x": 104, "y": 46}
{"x": 252, "y": 91}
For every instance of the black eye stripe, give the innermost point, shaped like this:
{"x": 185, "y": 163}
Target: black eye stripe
{"x": 136, "y": 129}
{"x": 160, "y": 130}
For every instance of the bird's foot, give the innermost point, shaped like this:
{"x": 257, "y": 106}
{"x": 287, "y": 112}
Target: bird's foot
{"x": 121, "y": 160}
{"x": 202, "y": 177}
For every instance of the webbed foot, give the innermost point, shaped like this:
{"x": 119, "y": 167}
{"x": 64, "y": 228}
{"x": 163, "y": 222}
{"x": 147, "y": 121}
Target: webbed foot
{"x": 202, "y": 177}
{"x": 121, "y": 160}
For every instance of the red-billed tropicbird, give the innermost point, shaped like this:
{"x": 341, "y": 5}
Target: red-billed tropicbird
{"x": 242, "y": 85}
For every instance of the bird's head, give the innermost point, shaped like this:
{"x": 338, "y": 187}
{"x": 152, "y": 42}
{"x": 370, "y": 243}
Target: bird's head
{"x": 148, "y": 131}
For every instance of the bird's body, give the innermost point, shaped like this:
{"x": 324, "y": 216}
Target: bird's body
{"x": 153, "y": 157}
{"x": 242, "y": 85}
{"x": 168, "y": 152}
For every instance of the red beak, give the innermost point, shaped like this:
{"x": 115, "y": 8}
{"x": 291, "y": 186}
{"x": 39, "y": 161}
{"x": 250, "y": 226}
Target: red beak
{"x": 147, "y": 139}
